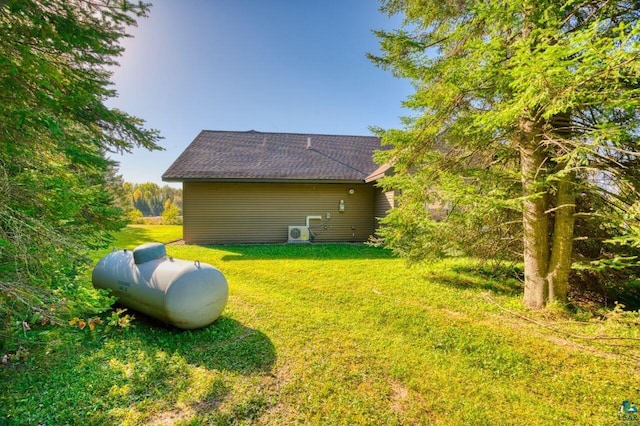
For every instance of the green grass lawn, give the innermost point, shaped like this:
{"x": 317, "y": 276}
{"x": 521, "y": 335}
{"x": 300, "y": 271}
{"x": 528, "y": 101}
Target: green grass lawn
{"x": 334, "y": 334}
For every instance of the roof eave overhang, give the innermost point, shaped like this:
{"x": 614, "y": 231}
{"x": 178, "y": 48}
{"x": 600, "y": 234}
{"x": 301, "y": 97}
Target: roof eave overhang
{"x": 374, "y": 178}
{"x": 259, "y": 180}
{"x": 382, "y": 171}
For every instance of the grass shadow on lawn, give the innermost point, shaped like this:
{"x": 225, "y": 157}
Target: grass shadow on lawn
{"x": 146, "y": 370}
{"x": 500, "y": 279}
{"x": 337, "y": 251}
{"x": 224, "y": 345}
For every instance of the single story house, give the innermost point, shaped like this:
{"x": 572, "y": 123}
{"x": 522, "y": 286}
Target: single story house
{"x": 257, "y": 187}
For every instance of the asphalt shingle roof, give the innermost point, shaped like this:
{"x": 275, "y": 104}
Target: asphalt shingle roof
{"x": 256, "y": 156}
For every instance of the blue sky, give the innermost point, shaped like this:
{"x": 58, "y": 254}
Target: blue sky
{"x": 267, "y": 65}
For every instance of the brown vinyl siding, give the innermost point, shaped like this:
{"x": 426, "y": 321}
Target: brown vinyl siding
{"x": 262, "y": 212}
{"x": 384, "y": 201}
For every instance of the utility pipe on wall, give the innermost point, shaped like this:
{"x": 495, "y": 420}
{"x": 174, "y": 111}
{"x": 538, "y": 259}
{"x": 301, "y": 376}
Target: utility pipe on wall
{"x": 313, "y": 218}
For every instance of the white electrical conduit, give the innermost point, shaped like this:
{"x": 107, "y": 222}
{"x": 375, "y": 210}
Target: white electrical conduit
{"x": 313, "y": 218}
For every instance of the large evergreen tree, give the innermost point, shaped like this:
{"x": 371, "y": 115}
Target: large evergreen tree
{"x": 55, "y": 131}
{"x": 526, "y": 125}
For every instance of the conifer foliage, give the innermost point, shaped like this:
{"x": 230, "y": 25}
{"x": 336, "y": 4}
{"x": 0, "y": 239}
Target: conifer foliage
{"x": 55, "y": 131}
{"x": 525, "y": 132}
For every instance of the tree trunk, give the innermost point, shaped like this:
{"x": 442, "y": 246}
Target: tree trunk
{"x": 534, "y": 219}
{"x": 562, "y": 241}
{"x": 564, "y": 219}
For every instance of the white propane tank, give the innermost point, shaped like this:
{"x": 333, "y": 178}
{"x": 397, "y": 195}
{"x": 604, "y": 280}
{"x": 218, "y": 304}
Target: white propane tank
{"x": 184, "y": 294}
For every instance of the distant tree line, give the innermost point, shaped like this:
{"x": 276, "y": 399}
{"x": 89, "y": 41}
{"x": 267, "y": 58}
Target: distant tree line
{"x": 149, "y": 199}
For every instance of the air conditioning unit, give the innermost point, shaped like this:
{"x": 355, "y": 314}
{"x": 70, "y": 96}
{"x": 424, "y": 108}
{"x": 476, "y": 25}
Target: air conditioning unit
{"x": 298, "y": 234}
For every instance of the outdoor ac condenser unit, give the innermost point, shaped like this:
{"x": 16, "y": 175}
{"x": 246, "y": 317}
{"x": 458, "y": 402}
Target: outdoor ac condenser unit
{"x": 298, "y": 234}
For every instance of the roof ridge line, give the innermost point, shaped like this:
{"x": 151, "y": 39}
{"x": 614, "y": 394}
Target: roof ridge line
{"x": 289, "y": 133}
